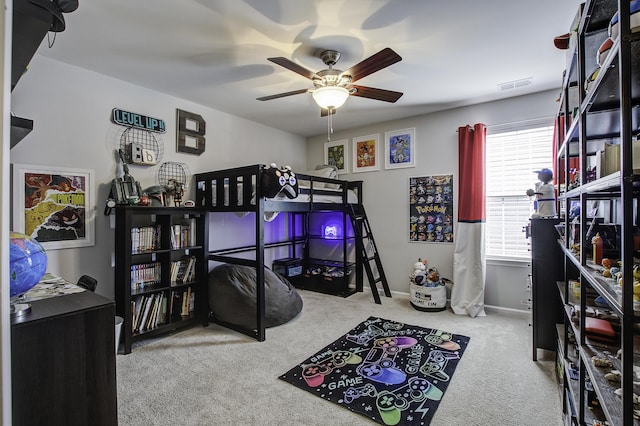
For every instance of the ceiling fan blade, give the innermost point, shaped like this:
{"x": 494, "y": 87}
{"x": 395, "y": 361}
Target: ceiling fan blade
{"x": 373, "y": 63}
{"x": 377, "y": 94}
{"x": 290, "y": 65}
{"x": 282, "y": 95}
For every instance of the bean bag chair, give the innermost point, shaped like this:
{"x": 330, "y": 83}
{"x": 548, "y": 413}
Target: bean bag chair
{"x": 232, "y": 296}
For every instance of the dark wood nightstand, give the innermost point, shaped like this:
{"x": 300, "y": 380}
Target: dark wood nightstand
{"x": 63, "y": 362}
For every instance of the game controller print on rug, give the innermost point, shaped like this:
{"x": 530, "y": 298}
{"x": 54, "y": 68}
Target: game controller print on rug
{"x": 393, "y": 373}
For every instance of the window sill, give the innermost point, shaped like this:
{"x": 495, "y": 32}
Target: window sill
{"x": 508, "y": 261}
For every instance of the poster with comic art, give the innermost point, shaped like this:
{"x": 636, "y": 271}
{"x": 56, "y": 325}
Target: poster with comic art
{"x": 54, "y": 205}
{"x": 431, "y": 209}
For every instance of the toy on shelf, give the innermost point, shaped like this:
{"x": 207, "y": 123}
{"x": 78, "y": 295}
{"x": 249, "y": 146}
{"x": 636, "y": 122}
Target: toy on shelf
{"x": 634, "y": 20}
{"x": 597, "y": 243}
{"x": 124, "y": 190}
{"x": 606, "y": 264}
{"x": 545, "y": 201}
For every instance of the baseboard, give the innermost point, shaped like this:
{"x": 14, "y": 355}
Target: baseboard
{"x": 520, "y": 313}
{"x": 510, "y": 311}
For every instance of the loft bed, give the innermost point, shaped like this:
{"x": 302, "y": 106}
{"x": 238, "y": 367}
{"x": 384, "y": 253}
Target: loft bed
{"x": 234, "y": 190}
{"x": 243, "y": 190}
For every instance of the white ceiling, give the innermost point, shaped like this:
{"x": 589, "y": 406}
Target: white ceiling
{"x": 214, "y": 52}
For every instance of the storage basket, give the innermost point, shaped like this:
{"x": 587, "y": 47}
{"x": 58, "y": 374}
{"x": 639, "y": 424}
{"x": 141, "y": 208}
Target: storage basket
{"x": 429, "y": 299}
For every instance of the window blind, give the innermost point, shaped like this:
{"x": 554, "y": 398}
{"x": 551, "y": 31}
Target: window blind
{"x": 514, "y": 152}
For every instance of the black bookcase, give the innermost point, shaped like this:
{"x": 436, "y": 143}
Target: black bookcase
{"x": 600, "y": 174}
{"x": 160, "y": 270}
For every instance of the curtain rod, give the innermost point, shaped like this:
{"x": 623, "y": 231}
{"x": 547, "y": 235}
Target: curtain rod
{"x": 531, "y": 120}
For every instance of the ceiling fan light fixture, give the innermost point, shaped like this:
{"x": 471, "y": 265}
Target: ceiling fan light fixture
{"x": 330, "y": 97}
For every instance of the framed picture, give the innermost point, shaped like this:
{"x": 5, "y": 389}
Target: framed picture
{"x": 400, "y": 148}
{"x": 54, "y": 205}
{"x": 335, "y": 154}
{"x": 366, "y": 153}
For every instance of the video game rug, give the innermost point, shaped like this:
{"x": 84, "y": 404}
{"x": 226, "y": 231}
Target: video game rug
{"x": 391, "y": 372}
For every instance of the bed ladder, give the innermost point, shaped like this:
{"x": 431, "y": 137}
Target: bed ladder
{"x": 368, "y": 251}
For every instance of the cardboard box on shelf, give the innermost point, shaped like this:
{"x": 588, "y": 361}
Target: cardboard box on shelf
{"x": 611, "y": 159}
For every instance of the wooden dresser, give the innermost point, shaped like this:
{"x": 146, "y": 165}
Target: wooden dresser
{"x": 63, "y": 362}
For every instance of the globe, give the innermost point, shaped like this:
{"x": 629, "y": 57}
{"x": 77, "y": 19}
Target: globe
{"x": 27, "y": 263}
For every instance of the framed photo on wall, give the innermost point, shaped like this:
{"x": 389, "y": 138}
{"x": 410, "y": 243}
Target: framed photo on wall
{"x": 336, "y": 154}
{"x": 366, "y": 154}
{"x": 54, "y": 205}
{"x": 400, "y": 148}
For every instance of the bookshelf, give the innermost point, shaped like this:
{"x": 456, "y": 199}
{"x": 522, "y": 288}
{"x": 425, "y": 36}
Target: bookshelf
{"x": 160, "y": 270}
{"x": 598, "y": 196}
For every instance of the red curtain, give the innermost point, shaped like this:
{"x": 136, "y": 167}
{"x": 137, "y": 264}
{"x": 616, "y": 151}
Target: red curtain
{"x": 471, "y": 171}
{"x": 559, "y": 175}
{"x": 469, "y": 260}
{"x": 558, "y": 127}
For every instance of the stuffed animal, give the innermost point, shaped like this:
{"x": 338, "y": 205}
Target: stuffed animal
{"x": 432, "y": 275}
{"x": 275, "y": 181}
{"x": 419, "y": 274}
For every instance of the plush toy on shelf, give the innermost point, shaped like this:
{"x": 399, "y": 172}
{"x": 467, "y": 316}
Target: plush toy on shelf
{"x": 545, "y": 202}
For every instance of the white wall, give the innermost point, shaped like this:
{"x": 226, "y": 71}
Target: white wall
{"x": 71, "y": 110}
{"x": 386, "y": 192}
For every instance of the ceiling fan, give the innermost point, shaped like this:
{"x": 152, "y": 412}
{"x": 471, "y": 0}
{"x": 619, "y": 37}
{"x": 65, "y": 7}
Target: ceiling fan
{"x": 332, "y": 86}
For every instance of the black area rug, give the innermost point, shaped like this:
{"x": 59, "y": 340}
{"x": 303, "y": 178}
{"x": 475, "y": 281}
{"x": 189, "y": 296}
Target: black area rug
{"x": 391, "y": 372}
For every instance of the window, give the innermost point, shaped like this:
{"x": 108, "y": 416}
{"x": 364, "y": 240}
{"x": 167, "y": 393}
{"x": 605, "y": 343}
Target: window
{"x": 514, "y": 153}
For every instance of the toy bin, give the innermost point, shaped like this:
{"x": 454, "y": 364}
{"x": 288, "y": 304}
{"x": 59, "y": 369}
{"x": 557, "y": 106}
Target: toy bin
{"x": 288, "y": 267}
{"x": 429, "y": 299}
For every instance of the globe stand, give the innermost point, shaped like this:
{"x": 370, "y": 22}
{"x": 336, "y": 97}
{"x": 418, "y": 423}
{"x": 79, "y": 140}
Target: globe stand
{"x": 20, "y": 309}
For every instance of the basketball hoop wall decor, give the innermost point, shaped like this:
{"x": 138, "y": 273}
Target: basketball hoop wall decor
{"x": 140, "y": 140}
{"x": 190, "y": 131}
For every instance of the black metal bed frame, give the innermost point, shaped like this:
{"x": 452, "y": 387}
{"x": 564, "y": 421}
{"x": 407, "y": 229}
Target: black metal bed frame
{"x": 238, "y": 190}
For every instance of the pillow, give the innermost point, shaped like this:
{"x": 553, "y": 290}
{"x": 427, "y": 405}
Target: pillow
{"x": 326, "y": 171}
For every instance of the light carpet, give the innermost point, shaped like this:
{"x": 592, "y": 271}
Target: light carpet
{"x": 214, "y": 376}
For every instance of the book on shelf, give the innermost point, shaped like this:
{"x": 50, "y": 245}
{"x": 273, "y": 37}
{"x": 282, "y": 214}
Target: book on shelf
{"x": 189, "y": 274}
{"x": 148, "y": 312}
{"x": 183, "y": 270}
{"x": 151, "y": 319}
{"x": 145, "y": 238}
{"x": 192, "y": 232}
{"x": 186, "y": 303}
{"x": 192, "y": 302}
{"x": 163, "y": 312}
{"x": 143, "y": 319}
{"x": 175, "y": 306}
{"x": 183, "y": 234}
{"x": 144, "y": 275}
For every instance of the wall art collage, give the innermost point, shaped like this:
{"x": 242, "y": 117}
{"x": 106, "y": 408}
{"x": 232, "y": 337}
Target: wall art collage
{"x": 399, "y": 152}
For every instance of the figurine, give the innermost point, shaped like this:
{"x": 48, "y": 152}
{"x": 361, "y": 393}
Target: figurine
{"x": 545, "y": 202}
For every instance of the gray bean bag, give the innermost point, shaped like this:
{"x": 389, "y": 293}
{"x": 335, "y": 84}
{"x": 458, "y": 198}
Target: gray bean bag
{"x": 232, "y": 296}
